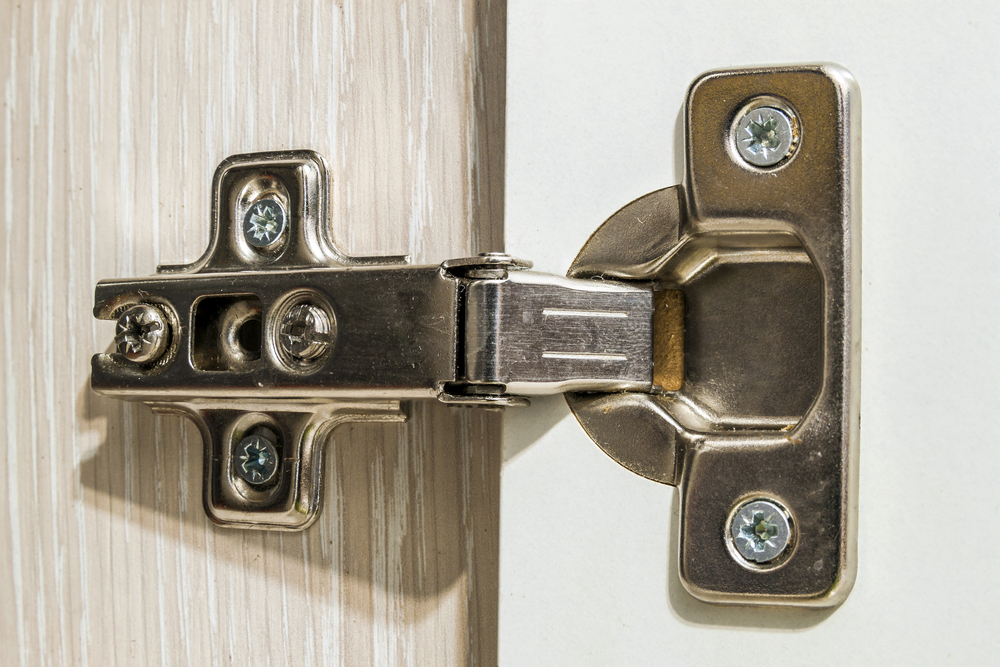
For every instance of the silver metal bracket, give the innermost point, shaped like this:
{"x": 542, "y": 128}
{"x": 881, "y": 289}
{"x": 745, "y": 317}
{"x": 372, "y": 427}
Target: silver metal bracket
{"x": 707, "y": 337}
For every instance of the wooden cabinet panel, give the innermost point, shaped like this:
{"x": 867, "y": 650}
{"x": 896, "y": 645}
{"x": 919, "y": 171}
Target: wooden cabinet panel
{"x": 115, "y": 116}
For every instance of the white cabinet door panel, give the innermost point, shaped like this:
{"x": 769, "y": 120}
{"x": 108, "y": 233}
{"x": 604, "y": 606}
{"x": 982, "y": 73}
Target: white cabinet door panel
{"x": 588, "y": 550}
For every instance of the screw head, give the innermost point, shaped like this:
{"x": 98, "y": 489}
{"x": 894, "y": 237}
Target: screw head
{"x": 766, "y": 135}
{"x": 760, "y": 530}
{"x": 141, "y": 334}
{"x": 305, "y": 332}
{"x": 256, "y": 460}
{"x": 264, "y": 224}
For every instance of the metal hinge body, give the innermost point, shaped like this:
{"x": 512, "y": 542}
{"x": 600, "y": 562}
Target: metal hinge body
{"x": 707, "y": 337}
{"x": 397, "y": 332}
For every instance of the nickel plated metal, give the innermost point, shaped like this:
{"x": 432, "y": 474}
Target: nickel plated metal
{"x": 769, "y": 261}
{"x": 305, "y": 338}
{"x": 277, "y": 340}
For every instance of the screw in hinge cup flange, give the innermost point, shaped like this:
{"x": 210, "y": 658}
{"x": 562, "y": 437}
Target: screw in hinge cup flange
{"x": 264, "y": 224}
{"x": 305, "y": 332}
{"x": 760, "y": 531}
{"x": 141, "y": 334}
{"x": 257, "y": 459}
{"x": 766, "y": 133}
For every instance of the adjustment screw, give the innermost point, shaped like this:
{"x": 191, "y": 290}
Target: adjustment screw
{"x": 766, "y": 135}
{"x": 305, "y": 332}
{"x": 141, "y": 334}
{"x": 264, "y": 224}
{"x": 760, "y": 530}
{"x": 257, "y": 459}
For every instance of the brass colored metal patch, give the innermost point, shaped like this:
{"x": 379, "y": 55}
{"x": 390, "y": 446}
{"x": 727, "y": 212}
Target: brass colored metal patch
{"x": 668, "y": 339}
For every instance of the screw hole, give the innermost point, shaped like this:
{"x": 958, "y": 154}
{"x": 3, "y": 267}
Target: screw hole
{"x": 250, "y": 337}
{"x": 257, "y": 458}
{"x": 228, "y": 333}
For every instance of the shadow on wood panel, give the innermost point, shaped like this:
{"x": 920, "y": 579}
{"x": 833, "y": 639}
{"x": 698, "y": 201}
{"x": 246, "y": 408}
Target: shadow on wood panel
{"x": 410, "y": 509}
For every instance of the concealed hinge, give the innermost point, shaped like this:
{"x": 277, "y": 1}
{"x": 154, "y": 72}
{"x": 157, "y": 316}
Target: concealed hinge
{"x": 707, "y": 337}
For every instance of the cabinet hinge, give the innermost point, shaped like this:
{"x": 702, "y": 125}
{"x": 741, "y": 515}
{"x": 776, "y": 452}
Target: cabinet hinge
{"x": 707, "y": 336}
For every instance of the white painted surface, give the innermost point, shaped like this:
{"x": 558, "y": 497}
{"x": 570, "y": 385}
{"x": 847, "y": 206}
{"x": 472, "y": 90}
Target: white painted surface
{"x": 588, "y": 553}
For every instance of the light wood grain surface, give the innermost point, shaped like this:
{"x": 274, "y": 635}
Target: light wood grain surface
{"x": 115, "y": 115}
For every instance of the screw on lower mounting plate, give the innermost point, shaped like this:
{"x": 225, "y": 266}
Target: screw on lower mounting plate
{"x": 256, "y": 460}
{"x": 264, "y": 224}
{"x": 760, "y": 531}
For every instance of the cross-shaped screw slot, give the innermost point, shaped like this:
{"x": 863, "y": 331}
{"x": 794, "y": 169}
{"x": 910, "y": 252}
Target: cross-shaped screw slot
{"x": 306, "y": 331}
{"x": 760, "y": 531}
{"x": 141, "y": 334}
{"x": 257, "y": 459}
{"x": 765, "y": 135}
{"x": 264, "y": 224}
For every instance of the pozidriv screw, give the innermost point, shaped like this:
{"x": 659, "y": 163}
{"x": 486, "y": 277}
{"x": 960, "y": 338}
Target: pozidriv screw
{"x": 765, "y": 135}
{"x": 264, "y": 224}
{"x": 760, "y": 530}
{"x": 256, "y": 459}
{"x": 305, "y": 332}
{"x": 141, "y": 334}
